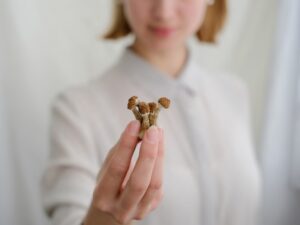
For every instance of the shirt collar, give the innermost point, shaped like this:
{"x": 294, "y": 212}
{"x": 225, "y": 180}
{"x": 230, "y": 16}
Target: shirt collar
{"x": 155, "y": 82}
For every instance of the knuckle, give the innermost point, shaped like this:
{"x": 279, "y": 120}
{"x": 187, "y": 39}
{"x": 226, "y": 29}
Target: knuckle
{"x": 121, "y": 218}
{"x": 117, "y": 169}
{"x": 124, "y": 205}
{"x": 102, "y": 206}
{"x": 137, "y": 187}
{"x": 155, "y": 185}
{"x": 149, "y": 154}
{"x": 139, "y": 216}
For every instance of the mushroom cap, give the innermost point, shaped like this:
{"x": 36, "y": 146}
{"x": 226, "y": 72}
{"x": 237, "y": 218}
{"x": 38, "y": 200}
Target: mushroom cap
{"x": 152, "y": 106}
{"x": 130, "y": 105}
{"x": 132, "y": 102}
{"x": 165, "y": 102}
{"x": 133, "y": 98}
{"x": 144, "y": 108}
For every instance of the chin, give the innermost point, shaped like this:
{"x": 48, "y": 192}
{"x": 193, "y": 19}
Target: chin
{"x": 164, "y": 45}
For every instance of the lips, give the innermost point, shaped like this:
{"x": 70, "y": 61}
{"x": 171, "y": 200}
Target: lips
{"x": 162, "y": 31}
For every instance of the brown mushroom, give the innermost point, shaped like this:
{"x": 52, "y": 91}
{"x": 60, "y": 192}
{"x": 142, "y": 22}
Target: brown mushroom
{"x": 162, "y": 103}
{"x": 132, "y": 105}
{"x": 147, "y": 113}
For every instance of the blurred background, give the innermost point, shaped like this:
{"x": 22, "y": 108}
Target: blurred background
{"x": 47, "y": 46}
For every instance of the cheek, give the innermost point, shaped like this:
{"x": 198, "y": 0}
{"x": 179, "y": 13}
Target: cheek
{"x": 136, "y": 13}
{"x": 194, "y": 15}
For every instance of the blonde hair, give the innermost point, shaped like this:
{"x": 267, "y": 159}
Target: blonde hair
{"x": 212, "y": 24}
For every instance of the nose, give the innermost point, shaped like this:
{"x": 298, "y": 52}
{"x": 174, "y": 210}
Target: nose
{"x": 163, "y": 9}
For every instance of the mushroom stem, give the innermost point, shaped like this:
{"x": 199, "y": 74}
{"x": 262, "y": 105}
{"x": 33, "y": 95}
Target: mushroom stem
{"x": 137, "y": 114}
{"x": 144, "y": 110}
{"x": 132, "y": 105}
{"x": 152, "y": 115}
{"x": 162, "y": 103}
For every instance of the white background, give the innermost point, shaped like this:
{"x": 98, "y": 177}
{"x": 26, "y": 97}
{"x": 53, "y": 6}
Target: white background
{"x": 46, "y": 46}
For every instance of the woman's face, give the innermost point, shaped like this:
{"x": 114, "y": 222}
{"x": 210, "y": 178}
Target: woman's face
{"x": 164, "y": 24}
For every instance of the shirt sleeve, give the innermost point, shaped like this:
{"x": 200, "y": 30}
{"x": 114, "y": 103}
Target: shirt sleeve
{"x": 70, "y": 175}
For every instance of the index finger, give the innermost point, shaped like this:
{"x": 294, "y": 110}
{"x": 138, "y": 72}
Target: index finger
{"x": 119, "y": 163}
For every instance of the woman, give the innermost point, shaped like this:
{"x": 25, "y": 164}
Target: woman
{"x": 202, "y": 161}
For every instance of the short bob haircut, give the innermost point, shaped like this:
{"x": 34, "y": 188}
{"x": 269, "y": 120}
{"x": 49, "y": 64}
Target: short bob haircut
{"x": 212, "y": 24}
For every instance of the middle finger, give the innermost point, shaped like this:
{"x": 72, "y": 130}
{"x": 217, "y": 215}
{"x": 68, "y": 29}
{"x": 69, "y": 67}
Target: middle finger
{"x": 142, "y": 172}
{"x": 157, "y": 177}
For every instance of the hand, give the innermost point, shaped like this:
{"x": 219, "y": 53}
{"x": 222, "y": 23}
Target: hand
{"x": 125, "y": 191}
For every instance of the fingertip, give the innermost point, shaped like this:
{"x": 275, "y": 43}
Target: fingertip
{"x": 133, "y": 128}
{"x": 152, "y": 134}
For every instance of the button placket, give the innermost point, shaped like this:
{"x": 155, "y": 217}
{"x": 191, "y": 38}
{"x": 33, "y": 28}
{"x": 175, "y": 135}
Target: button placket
{"x": 196, "y": 125}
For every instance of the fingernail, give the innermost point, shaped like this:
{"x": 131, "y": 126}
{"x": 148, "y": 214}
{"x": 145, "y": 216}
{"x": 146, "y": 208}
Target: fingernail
{"x": 133, "y": 128}
{"x": 152, "y": 134}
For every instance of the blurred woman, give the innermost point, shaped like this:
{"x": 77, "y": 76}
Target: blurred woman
{"x": 200, "y": 157}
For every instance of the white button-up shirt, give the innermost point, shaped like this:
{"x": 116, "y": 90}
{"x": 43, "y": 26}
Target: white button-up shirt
{"x": 211, "y": 175}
